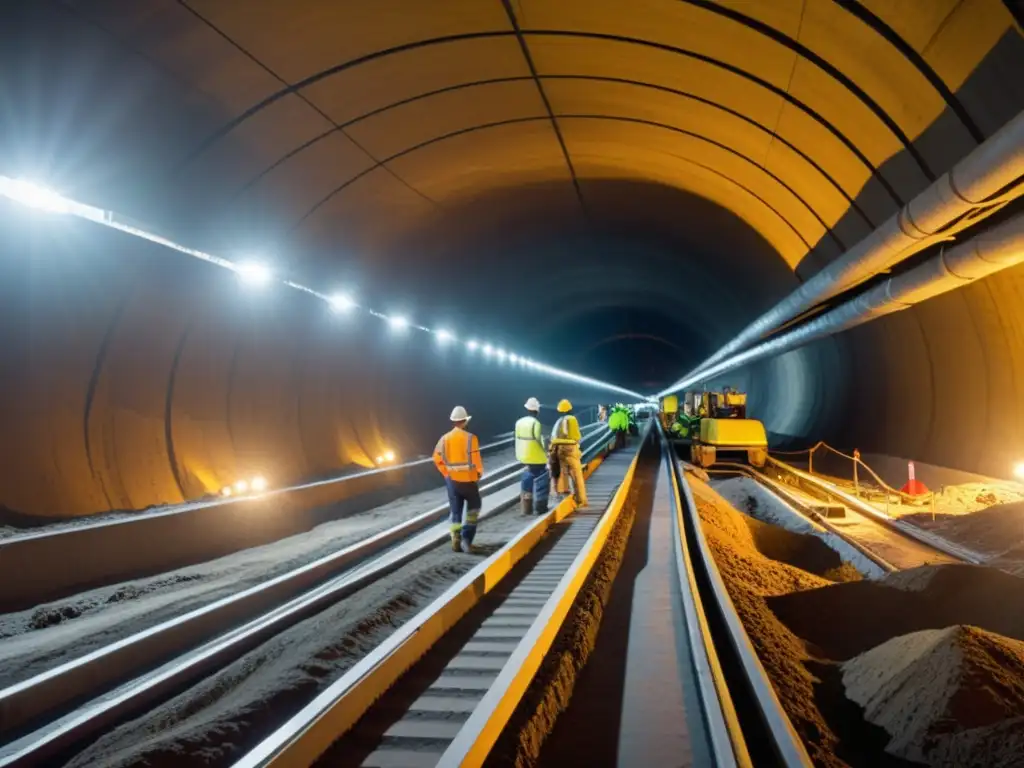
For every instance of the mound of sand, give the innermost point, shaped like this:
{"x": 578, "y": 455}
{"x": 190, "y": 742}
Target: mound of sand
{"x": 992, "y": 531}
{"x": 937, "y": 691}
{"x": 750, "y": 576}
{"x": 843, "y": 620}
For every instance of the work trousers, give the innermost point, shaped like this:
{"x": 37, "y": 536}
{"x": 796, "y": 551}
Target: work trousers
{"x": 463, "y": 496}
{"x": 571, "y": 468}
{"x": 535, "y": 485}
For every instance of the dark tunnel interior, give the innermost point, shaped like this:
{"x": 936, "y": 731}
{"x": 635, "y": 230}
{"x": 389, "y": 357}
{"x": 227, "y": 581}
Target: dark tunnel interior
{"x": 615, "y": 189}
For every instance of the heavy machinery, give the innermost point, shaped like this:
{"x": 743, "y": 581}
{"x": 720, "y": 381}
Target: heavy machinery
{"x": 714, "y": 422}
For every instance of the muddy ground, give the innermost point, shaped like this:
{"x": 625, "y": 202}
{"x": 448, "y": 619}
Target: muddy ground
{"x": 41, "y": 638}
{"x": 826, "y": 644}
{"x": 217, "y": 721}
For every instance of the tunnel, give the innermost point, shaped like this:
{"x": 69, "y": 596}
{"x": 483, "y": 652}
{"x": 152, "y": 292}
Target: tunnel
{"x": 615, "y": 189}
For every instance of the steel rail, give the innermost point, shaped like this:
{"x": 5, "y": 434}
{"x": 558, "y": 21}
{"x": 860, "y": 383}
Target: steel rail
{"x": 800, "y": 509}
{"x": 283, "y": 601}
{"x": 785, "y": 744}
{"x": 47, "y": 565}
{"x": 311, "y": 731}
{"x": 905, "y": 530}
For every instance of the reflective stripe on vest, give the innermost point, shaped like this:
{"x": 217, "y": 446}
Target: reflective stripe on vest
{"x": 469, "y": 454}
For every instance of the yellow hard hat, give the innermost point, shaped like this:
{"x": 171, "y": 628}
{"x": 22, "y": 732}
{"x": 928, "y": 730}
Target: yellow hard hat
{"x": 564, "y": 406}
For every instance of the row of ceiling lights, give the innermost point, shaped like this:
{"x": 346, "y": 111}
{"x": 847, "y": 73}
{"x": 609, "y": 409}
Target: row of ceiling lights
{"x": 259, "y": 274}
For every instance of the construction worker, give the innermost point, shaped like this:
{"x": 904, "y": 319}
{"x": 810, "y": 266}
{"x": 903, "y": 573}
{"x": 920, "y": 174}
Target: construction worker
{"x": 565, "y": 444}
{"x": 457, "y": 457}
{"x": 530, "y": 452}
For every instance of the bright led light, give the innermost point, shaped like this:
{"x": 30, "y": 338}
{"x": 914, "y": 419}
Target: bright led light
{"x": 389, "y": 455}
{"x": 259, "y": 484}
{"x": 242, "y": 486}
{"x": 1018, "y": 470}
{"x": 398, "y": 323}
{"x": 488, "y": 349}
{"x": 380, "y": 459}
{"x": 341, "y": 302}
{"x": 501, "y": 355}
{"x": 34, "y": 196}
{"x": 444, "y": 336}
{"x": 254, "y": 273}
{"x": 471, "y": 345}
{"x": 513, "y": 358}
{"x": 226, "y": 490}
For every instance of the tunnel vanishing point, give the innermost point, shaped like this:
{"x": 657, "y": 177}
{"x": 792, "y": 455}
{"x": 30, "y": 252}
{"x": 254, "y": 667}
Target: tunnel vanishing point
{"x": 615, "y": 188}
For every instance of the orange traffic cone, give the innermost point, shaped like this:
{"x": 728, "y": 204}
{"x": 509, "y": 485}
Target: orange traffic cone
{"x": 913, "y": 486}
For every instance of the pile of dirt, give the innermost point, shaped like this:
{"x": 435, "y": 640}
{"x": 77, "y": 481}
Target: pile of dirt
{"x": 843, "y": 620}
{"x": 780, "y": 561}
{"x": 750, "y": 576}
{"x": 991, "y": 531}
{"x": 942, "y": 692}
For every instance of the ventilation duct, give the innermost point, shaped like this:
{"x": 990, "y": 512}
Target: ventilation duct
{"x": 990, "y": 168}
{"x": 981, "y": 256}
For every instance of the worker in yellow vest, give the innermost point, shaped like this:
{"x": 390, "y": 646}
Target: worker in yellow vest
{"x": 457, "y": 458}
{"x": 530, "y": 452}
{"x": 565, "y": 444}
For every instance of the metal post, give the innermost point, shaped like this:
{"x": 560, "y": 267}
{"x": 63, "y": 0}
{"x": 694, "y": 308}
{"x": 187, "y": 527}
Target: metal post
{"x": 856, "y": 483}
{"x": 810, "y": 461}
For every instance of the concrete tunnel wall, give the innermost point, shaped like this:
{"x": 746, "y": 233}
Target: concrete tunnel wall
{"x": 135, "y": 377}
{"x": 809, "y": 122}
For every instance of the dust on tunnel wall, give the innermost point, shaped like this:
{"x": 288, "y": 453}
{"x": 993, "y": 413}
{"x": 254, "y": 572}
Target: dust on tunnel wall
{"x": 134, "y": 375}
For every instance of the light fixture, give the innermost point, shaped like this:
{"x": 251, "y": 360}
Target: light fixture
{"x": 341, "y": 302}
{"x": 500, "y": 355}
{"x": 444, "y": 336}
{"x": 225, "y": 491}
{"x": 254, "y": 273}
{"x": 1018, "y": 470}
{"x": 242, "y": 486}
{"x": 389, "y": 455}
{"x": 34, "y": 195}
{"x": 380, "y": 459}
{"x": 258, "y": 484}
{"x": 513, "y": 359}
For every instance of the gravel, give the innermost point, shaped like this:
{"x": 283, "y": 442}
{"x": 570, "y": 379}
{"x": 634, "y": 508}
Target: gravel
{"x": 215, "y": 722}
{"x": 41, "y": 638}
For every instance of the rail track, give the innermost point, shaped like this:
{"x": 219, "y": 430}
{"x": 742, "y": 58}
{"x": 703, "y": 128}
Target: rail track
{"x": 891, "y": 544}
{"x": 40, "y": 566}
{"x": 57, "y": 710}
{"x": 443, "y": 687}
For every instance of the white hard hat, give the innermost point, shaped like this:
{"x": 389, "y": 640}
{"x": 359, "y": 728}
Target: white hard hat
{"x": 459, "y": 414}
{"x": 533, "y": 404}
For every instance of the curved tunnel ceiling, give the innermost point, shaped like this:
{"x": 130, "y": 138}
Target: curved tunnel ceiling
{"x": 528, "y": 164}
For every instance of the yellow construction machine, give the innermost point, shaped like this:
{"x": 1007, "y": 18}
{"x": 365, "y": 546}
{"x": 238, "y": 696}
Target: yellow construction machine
{"x": 714, "y": 422}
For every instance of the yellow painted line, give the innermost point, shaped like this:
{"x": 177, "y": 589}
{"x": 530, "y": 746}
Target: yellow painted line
{"x": 740, "y": 753}
{"x": 345, "y": 701}
{"x": 478, "y": 736}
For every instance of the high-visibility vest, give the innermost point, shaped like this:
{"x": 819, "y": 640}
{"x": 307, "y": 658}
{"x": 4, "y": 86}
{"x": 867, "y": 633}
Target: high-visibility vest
{"x": 566, "y": 431}
{"x": 457, "y": 456}
{"x": 530, "y": 441}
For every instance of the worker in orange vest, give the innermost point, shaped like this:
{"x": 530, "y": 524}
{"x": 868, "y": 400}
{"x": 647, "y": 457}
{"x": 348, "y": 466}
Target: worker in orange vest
{"x": 457, "y": 457}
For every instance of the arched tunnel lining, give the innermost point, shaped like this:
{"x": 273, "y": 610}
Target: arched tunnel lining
{"x": 109, "y": 324}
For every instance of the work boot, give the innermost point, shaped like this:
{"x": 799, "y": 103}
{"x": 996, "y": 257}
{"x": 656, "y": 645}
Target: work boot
{"x": 455, "y": 542}
{"x": 526, "y": 503}
{"x": 467, "y": 547}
